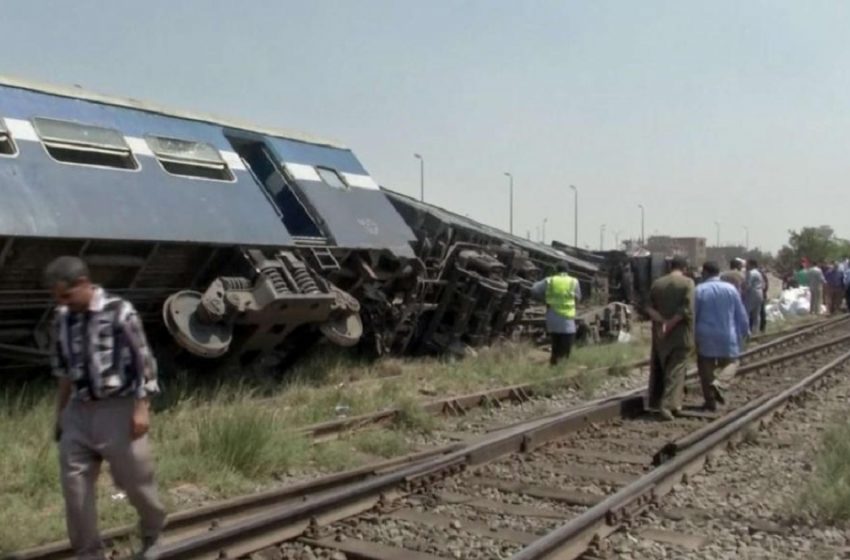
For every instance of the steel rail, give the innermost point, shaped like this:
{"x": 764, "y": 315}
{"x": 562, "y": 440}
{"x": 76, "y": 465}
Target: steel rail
{"x": 572, "y": 538}
{"x": 522, "y": 436}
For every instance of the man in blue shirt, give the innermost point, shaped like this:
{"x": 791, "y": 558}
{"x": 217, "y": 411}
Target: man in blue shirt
{"x": 721, "y": 325}
{"x": 845, "y": 267}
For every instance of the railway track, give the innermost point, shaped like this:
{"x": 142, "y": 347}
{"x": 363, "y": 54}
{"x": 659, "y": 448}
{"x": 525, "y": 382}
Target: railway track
{"x": 518, "y": 477}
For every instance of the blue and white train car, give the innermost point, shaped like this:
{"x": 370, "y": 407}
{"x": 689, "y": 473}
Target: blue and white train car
{"x": 234, "y": 237}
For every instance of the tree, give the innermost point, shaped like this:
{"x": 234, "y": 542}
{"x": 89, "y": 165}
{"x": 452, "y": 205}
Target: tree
{"x": 817, "y": 244}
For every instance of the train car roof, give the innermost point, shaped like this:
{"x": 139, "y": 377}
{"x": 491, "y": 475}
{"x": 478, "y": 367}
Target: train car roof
{"x": 454, "y": 218}
{"x": 157, "y": 205}
{"x": 77, "y": 92}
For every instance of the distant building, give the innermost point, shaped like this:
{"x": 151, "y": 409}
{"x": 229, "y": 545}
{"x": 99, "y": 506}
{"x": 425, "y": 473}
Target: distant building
{"x": 723, "y": 254}
{"x": 692, "y": 248}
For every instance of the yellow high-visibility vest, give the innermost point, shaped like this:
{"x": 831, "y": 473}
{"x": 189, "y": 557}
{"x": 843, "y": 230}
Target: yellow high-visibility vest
{"x": 561, "y": 295}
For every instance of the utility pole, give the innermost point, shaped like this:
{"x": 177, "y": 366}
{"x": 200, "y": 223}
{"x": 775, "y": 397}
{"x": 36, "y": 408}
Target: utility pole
{"x": 511, "y": 177}
{"x": 642, "y": 238}
{"x": 421, "y": 176}
{"x": 575, "y": 218}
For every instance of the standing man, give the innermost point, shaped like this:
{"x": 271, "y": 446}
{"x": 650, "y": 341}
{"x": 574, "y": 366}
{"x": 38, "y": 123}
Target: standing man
{"x": 835, "y": 287}
{"x": 561, "y": 292}
{"x": 847, "y": 283}
{"x": 721, "y": 327}
{"x": 671, "y": 310}
{"x": 628, "y": 282}
{"x": 801, "y": 276}
{"x": 754, "y": 294}
{"x": 106, "y": 375}
{"x": 815, "y": 280}
{"x": 735, "y": 275}
{"x": 763, "y": 311}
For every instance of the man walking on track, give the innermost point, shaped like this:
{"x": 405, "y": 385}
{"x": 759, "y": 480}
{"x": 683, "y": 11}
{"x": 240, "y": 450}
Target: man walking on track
{"x": 671, "y": 310}
{"x": 847, "y": 283}
{"x": 815, "y": 280}
{"x": 834, "y": 276}
{"x": 560, "y": 292}
{"x": 754, "y": 292}
{"x": 721, "y": 326}
{"x": 106, "y": 374}
{"x": 735, "y": 275}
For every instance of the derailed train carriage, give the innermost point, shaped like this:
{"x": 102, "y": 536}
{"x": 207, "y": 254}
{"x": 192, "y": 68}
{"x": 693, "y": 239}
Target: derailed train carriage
{"x": 477, "y": 279}
{"x": 239, "y": 245}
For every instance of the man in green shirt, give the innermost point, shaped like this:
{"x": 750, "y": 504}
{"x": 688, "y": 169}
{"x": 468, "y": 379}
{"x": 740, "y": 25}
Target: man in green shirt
{"x": 671, "y": 309}
{"x": 801, "y": 275}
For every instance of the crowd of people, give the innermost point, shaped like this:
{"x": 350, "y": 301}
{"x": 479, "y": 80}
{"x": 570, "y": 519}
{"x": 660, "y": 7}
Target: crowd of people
{"x": 828, "y": 284}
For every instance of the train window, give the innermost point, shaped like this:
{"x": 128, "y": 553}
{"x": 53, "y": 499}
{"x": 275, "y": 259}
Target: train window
{"x": 189, "y": 158}
{"x": 72, "y": 142}
{"x": 7, "y": 145}
{"x": 332, "y": 178}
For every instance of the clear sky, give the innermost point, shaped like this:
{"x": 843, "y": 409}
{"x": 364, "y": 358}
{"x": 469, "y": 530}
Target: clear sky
{"x": 723, "y": 110}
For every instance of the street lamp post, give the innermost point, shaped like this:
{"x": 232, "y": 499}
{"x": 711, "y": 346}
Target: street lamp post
{"x": 511, "y": 177}
{"x": 617, "y": 239}
{"x": 544, "y": 229}
{"x": 602, "y": 237}
{"x": 717, "y": 239}
{"x": 421, "y": 176}
{"x": 642, "y": 238}
{"x": 575, "y": 218}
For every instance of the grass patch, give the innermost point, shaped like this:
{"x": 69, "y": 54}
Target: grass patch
{"x": 248, "y": 440}
{"x": 382, "y": 443}
{"x": 334, "y": 456}
{"x": 614, "y": 357}
{"x": 588, "y": 382}
{"x": 827, "y": 495}
{"x": 413, "y": 417}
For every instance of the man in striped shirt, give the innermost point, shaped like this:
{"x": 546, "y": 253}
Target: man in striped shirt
{"x": 106, "y": 374}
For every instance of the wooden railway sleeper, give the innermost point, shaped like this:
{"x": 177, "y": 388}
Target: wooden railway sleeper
{"x": 488, "y": 402}
{"x": 454, "y": 408}
{"x": 520, "y": 395}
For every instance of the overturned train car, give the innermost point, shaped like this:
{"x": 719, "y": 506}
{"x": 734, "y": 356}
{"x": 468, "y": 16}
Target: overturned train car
{"x": 239, "y": 245}
{"x": 476, "y": 284}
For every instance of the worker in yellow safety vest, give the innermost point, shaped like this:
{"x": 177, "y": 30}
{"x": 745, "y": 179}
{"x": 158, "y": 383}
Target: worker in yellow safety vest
{"x": 561, "y": 292}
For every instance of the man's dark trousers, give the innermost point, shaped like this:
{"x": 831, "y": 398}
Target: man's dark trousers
{"x": 562, "y": 344}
